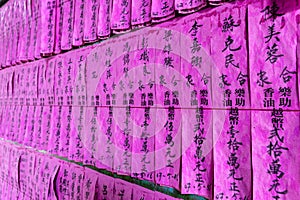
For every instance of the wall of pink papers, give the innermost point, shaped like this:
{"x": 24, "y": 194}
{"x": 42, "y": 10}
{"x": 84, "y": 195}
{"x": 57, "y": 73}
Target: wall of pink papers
{"x": 205, "y": 104}
{"x": 34, "y": 28}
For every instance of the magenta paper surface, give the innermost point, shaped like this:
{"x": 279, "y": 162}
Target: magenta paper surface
{"x": 142, "y": 98}
{"x": 231, "y": 131}
{"x": 48, "y": 10}
{"x": 14, "y": 27}
{"x": 140, "y": 12}
{"x": 64, "y": 142}
{"x": 103, "y": 27}
{"x": 79, "y": 77}
{"x": 22, "y": 128}
{"x": 55, "y": 130}
{"x": 91, "y": 8}
{"x": 32, "y": 95}
{"x": 124, "y": 116}
{"x": 10, "y": 35}
{"x": 274, "y": 90}
{"x": 197, "y": 175}
{"x": 78, "y": 97}
{"x": 58, "y": 26}
{"x": 48, "y": 168}
{"x": 142, "y": 193}
{"x": 46, "y": 126}
{"x": 24, "y": 16}
{"x": 41, "y": 94}
{"x": 105, "y": 187}
{"x": 67, "y": 25}
{"x": 89, "y": 184}
{"x": 90, "y": 137}
{"x": 76, "y": 182}
{"x": 66, "y": 79}
{"x": 63, "y": 181}
{"x": 168, "y": 128}
{"x": 123, "y": 190}
{"x": 38, "y": 30}
{"x": 78, "y": 22}
{"x": 101, "y": 75}
{"x": 48, "y": 109}
{"x": 123, "y": 141}
{"x": 120, "y": 15}
{"x": 27, "y": 170}
{"x": 33, "y": 17}
{"x": 162, "y": 10}
{"x": 45, "y": 129}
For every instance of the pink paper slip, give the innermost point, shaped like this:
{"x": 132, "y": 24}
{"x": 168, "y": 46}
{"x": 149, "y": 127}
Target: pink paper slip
{"x": 168, "y": 128}
{"x": 162, "y": 10}
{"x": 63, "y": 182}
{"x": 105, "y": 187}
{"x": 142, "y": 193}
{"x": 197, "y": 175}
{"x": 58, "y": 26}
{"x": 78, "y": 22}
{"x": 120, "y": 15}
{"x": 231, "y": 115}
{"x": 76, "y": 182}
{"x": 123, "y": 190}
{"x": 274, "y": 90}
{"x": 89, "y": 184}
{"x": 104, "y": 16}
{"x": 140, "y": 12}
{"x": 67, "y": 24}
{"x": 91, "y": 8}
{"x": 48, "y": 10}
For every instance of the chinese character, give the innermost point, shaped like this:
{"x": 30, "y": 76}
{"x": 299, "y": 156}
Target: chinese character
{"x": 229, "y": 24}
{"x": 263, "y": 79}
{"x": 285, "y": 75}
{"x": 272, "y": 56}
{"x": 272, "y": 33}
{"x": 194, "y": 29}
{"x": 242, "y": 78}
{"x": 271, "y": 12}
{"x": 230, "y": 60}
{"x": 229, "y": 41}
{"x": 224, "y": 81}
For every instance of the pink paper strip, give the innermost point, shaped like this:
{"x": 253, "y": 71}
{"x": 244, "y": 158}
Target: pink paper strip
{"x": 76, "y": 182}
{"x": 231, "y": 129}
{"x": 123, "y": 190}
{"x": 120, "y": 15}
{"x": 91, "y": 9}
{"x": 48, "y": 10}
{"x": 197, "y": 176}
{"x": 38, "y": 29}
{"x": 103, "y": 28}
{"x": 141, "y": 12}
{"x": 142, "y": 193}
{"x": 162, "y": 10}
{"x": 274, "y": 92}
{"x": 140, "y": 96}
{"x": 169, "y": 114}
{"x": 78, "y": 22}
{"x": 105, "y": 187}
{"x": 67, "y": 25}
{"x": 58, "y": 26}
{"x": 63, "y": 181}
{"x": 89, "y": 184}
